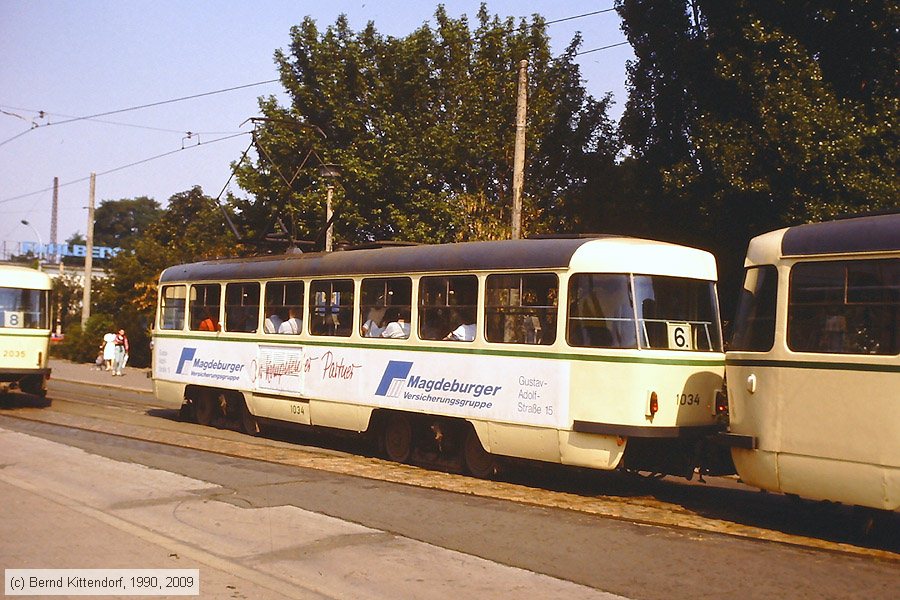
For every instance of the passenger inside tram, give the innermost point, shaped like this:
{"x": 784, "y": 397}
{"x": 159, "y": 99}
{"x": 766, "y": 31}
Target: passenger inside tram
{"x": 208, "y": 323}
{"x": 293, "y": 325}
{"x": 397, "y": 324}
{"x": 465, "y": 331}
{"x": 375, "y": 321}
{"x": 273, "y": 321}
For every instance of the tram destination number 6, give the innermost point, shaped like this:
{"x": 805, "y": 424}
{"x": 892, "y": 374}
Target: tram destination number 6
{"x": 679, "y": 336}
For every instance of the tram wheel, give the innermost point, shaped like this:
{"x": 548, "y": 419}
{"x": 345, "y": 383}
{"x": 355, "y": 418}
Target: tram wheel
{"x": 397, "y": 438}
{"x": 249, "y": 424}
{"x": 34, "y": 385}
{"x": 206, "y": 407}
{"x": 477, "y": 461}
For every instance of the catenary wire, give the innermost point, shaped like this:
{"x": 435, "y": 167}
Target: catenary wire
{"x": 122, "y": 167}
{"x": 94, "y": 117}
{"x": 142, "y": 106}
{"x": 105, "y": 122}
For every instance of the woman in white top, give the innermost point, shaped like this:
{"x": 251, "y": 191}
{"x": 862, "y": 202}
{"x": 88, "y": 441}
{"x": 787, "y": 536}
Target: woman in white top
{"x": 109, "y": 350}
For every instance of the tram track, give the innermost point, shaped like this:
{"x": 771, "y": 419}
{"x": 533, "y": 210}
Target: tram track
{"x": 653, "y": 503}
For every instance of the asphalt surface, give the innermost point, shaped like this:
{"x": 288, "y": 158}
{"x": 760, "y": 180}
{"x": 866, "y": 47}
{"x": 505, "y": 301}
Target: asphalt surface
{"x": 134, "y": 379}
{"x": 62, "y": 513}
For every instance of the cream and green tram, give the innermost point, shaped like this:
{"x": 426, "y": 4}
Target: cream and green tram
{"x": 814, "y": 366}
{"x": 24, "y": 329}
{"x": 600, "y": 352}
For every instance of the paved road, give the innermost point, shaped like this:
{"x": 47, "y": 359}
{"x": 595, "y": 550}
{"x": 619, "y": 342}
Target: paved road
{"x": 259, "y": 530}
{"x": 66, "y": 508}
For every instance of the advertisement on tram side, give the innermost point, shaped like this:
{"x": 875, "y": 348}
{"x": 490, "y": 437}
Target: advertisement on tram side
{"x": 510, "y": 389}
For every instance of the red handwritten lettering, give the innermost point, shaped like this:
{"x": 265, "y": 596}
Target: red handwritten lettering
{"x": 332, "y": 369}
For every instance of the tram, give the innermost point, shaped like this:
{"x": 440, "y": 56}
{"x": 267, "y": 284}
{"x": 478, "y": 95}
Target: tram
{"x": 598, "y": 351}
{"x": 814, "y": 366}
{"x": 24, "y": 330}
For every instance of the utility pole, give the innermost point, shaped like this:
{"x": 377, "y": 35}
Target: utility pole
{"x": 519, "y": 156}
{"x": 62, "y": 268}
{"x": 330, "y": 173}
{"x": 329, "y": 214}
{"x": 89, "y": 256}
{"x": 53, "y": 220}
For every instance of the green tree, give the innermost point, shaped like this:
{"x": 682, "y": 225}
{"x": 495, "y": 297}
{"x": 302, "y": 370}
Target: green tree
{"x": 748, "y": 116}
{"x": 67, "y": 297}
{"x": 82, "y": 345}
{"x": 191, "y": 228}
{"x": 118, "y": 222}
{"x": 423, "y": 130}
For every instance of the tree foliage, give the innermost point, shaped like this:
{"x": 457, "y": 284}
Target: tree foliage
{"x": 191, "y": 228}
{"x": 741, "y": 117}
{"x": 68, "y": 293}
{"x": 118, "y": 222}
{"x": 423, "y": 130}
{"x": 82, "y": 345}
{"x": 748, "y": 116}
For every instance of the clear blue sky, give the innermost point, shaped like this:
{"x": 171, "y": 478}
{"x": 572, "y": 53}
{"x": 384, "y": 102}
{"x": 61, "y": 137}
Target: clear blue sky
{"x": 74, "y": 59}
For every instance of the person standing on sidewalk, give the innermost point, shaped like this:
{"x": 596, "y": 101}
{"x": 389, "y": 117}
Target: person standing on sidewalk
{"x": 109, "y": 350}
{"x": 121, "y": 353}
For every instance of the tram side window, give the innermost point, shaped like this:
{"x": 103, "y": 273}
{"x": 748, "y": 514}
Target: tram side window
{"x": 204, "y": 302}
{"x": 24, "y": 309}
{"x": 385, "y": 305}
{"x": 284, "y": 307}
{"x": 845, "y": 307}
{"x": 677, "y": 313}
{"x": 601, "y": 314}
{"x": 331, "y": 307}
{"x": 754, "y": 327}
{"x": 521, "y": 308}
{"x": 447, "y": 308}
{"x": 242, "y": 307}
{"x": 173, "y": 307}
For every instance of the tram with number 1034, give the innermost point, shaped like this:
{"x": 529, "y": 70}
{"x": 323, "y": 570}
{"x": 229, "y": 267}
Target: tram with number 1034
{"x": 24, "y": 329}
{"x": 596, "y": 351}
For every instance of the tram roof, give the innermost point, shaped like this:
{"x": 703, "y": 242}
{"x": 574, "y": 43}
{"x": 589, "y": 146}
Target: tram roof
{"x": 878, "y": 233}
{"x": 541, "y": 253}
{"x": 15, "y": 276}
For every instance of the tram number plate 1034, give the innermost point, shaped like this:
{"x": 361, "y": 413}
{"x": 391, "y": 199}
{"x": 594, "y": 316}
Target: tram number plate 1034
{"x": 687, "y": 399}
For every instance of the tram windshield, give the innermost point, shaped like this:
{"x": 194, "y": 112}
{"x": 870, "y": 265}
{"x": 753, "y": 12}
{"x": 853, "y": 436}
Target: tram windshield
{"x": 677, "y": 314}
{"x": 24, "y": 309}
{"x": 646, "y": 311}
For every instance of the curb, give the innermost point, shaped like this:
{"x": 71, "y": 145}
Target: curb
{"x": 103, "y": 385}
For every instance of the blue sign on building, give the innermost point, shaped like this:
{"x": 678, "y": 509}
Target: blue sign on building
{"x": 79, "y": 250}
